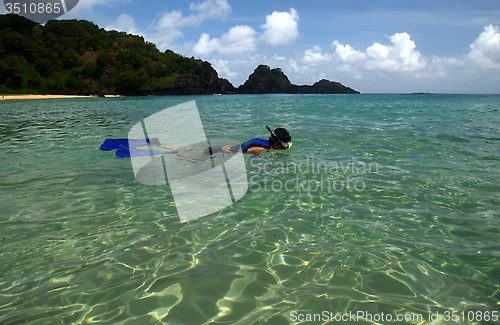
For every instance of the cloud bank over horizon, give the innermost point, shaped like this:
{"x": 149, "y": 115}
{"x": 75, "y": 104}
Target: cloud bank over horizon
{"x": 401, "y": 60}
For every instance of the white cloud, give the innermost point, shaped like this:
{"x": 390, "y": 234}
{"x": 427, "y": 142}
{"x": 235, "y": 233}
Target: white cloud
{"x": 223, "y": 69}
{"x": 315, "y": 56}
{"x": 209, "y": 8}
{"x": 441, "y": 67}
{"x": 378, "y": 51}
{"x": 485, "y": 51}
{"x": 347, "y": 54}
{"x": 205, "y": 45}
{"x": 173, "y": 20}
{"x": 124, "y": 23}
{"x": 400, "y": 57}
{"x": 203, "y": 10}
{"x": 281, "y": 28}
{"x": 239, "y": 39}
{"x": 481, "y": 21}
{"x": 167, "y": 28}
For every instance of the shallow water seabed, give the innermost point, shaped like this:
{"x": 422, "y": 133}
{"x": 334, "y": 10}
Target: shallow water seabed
{"x": 83, "y": 242}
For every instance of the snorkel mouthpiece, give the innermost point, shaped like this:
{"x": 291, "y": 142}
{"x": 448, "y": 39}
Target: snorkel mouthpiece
{"x": 275, "y": 137}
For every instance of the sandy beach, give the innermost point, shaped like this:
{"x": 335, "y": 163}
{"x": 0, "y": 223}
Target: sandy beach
{"x": 17, "y": 97}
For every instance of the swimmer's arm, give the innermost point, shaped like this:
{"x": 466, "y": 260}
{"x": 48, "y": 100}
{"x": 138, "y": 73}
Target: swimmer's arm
{"x": 258, "y": 150}
{"x": 274, "y": 154}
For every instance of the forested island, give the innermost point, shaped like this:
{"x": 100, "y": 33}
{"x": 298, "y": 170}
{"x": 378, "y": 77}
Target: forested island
{"x": 265, "y": 80}
{"x": 76, "y": 57}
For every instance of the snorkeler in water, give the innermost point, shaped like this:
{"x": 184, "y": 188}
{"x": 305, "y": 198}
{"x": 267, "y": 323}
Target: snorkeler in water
{"x": 280, "y": 139}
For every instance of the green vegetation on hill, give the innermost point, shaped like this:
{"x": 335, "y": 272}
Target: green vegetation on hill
{"x": 265, "y": 80}
{"x": 78, "y": 57}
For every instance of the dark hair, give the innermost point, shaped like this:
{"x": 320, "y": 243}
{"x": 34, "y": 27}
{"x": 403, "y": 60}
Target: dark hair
{"x": 282, "y": 134}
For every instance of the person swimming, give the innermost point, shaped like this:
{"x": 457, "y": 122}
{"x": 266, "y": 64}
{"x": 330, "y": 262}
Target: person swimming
{"x": 280, "y": 139}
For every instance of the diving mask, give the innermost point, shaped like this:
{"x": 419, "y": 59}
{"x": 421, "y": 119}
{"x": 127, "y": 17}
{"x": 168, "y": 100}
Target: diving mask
{"x": 283, "y": 145}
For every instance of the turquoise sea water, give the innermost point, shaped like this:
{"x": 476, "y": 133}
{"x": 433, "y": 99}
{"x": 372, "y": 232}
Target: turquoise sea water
{"x": 385, "y": 204}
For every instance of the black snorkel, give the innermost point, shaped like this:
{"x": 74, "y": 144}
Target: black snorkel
{"x": 275, "y": 137}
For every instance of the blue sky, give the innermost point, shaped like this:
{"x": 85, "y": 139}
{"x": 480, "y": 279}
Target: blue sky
{"x": 371, "y": 46}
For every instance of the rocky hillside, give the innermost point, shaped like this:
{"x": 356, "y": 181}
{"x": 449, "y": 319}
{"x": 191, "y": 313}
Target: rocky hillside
{"x": 265, "y": 80}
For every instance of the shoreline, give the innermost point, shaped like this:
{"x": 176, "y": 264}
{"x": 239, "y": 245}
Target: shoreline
{"x": 22, "y": 97}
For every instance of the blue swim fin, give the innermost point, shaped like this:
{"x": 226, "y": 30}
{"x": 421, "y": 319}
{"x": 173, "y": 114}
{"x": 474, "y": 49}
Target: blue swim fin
{"x": 113, "y": 144}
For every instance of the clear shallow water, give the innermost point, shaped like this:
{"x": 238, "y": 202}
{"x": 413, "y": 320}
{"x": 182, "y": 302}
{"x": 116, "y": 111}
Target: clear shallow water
{"x": 386, "y": 203}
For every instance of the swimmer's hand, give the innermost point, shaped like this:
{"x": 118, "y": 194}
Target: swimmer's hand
{"x": 275, "y": 154}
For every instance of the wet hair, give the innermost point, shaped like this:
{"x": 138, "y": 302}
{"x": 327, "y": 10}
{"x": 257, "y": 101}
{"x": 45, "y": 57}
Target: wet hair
{"x": 282, "y": 134}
